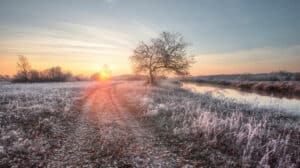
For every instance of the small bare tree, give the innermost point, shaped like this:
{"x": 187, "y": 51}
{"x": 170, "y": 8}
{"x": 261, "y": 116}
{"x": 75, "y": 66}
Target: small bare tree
{"x": 165, "y": 54}
{"x": 34, "y": 75}
{"x": 23, "y": 68}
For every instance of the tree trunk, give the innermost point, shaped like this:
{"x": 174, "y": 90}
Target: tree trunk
{"x": 151, "y": 78}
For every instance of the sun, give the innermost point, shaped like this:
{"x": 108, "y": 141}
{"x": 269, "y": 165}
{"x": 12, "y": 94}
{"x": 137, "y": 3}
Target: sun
{"x": 105, "y": 73}
{"x": 104, "y": 76}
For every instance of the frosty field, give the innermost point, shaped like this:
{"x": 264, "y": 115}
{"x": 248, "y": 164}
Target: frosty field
{"x": 129, "y": 124}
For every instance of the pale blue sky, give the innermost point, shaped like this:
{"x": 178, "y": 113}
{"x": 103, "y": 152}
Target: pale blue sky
{"x": 227, "y": 36}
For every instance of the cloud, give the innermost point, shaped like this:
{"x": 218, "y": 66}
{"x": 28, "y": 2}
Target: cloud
{"x": 110, "y": 1}
{"x": 71, "y": 37}
{"x": 259, "y": 54}
{"x": 73, "y": 45}
{"x": 252, "y": 60}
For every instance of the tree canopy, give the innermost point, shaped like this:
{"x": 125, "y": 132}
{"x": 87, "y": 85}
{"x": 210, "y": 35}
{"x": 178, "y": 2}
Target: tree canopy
{"x": 165, "y": 54}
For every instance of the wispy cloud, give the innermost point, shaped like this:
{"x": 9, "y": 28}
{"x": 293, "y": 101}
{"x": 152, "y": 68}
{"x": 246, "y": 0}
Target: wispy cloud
{"x": 109, "y": 1}
{"x": 89, "y": 43}
{"x": 252, "y": 61}
{"x": 77, "y": 36}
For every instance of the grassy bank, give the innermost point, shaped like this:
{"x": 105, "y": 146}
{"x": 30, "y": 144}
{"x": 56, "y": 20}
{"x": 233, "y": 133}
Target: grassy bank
{"x": 276, "y": 83}
{"x": 216, "y": 132}
{"x": 277, "y": 88}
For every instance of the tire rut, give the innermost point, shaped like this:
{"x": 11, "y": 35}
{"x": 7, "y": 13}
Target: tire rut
{"x": 108, "y": 135}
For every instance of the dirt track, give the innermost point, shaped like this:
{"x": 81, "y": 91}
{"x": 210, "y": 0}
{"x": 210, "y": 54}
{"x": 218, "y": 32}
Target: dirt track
{"x": 108, "y": 135}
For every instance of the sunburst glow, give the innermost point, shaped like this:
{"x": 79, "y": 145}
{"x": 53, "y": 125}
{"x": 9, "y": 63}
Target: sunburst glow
{"x": 105, "y": 73}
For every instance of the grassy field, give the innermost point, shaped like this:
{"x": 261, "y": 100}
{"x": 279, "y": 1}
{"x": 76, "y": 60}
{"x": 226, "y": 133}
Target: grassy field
{"x": 35, "y": 119}
{"x": 168, "y": 123}
{"x": 221, "y": 132}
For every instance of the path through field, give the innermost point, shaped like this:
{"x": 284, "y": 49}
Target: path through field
{"x": 108, "y": 135}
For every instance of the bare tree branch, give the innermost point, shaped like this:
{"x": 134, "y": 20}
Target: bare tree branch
{"x": 167, "y": 53}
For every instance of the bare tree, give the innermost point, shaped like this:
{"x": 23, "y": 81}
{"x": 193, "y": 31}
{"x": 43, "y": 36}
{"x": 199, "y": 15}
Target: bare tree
{"x": 34, "y": 75}
{"x": 165, "y": 54}
{"x": 55, "y": 74}
{"x": 23, "y": 68}
{"x": 52, "y": 74}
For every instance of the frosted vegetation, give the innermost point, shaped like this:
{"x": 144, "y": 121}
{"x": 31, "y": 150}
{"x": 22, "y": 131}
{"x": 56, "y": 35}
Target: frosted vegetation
{"x": 221, "y": 131}
{"x": 35, "y": 118}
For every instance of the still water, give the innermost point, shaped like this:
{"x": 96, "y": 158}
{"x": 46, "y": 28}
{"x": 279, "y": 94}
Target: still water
{"x": 266, "y": 101}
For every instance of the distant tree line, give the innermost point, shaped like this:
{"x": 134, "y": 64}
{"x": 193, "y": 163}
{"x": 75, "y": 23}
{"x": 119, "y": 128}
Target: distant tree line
{"x": 273, "y": 76}
{"x": 4, "y": 78}
{"x": 53, "y": 74}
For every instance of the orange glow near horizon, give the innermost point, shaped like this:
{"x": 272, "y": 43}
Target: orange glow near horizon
{"x": 120, "y": 67}
{"x": 103, "y": 76}
{"x": 105, "y": 73}
{"x": 119, "y": 64}
{"x": 75, "y": 65}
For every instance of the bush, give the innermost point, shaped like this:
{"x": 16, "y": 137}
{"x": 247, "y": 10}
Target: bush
{"x": 53, "y": 74}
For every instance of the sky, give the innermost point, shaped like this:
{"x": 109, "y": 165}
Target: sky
{"x": 225, "y": 36}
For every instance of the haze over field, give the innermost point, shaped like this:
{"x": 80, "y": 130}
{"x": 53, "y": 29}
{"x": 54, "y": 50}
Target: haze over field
{"x": 81, "y": 36}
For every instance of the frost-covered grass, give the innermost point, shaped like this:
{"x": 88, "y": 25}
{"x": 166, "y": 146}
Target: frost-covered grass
{"x": 221, "y": 132}
{"x": 35, "y": 119}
